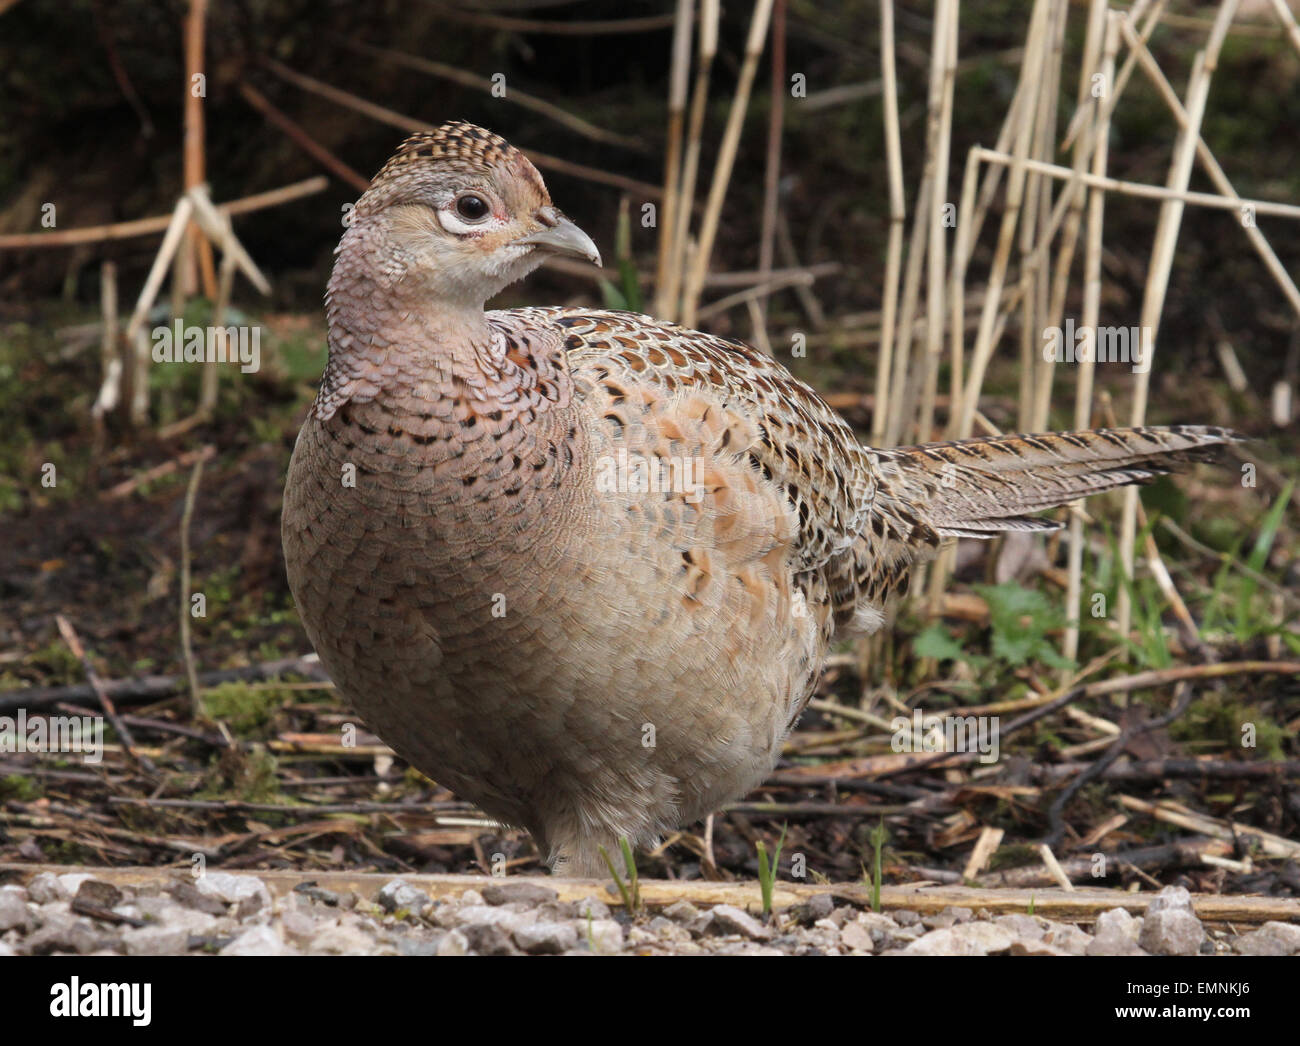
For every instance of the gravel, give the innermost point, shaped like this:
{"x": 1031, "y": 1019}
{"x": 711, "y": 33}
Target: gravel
{"x": 235, "y": 914}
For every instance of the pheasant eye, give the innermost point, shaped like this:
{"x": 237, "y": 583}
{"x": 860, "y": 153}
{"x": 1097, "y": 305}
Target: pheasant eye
{"x": 472, "y": 207}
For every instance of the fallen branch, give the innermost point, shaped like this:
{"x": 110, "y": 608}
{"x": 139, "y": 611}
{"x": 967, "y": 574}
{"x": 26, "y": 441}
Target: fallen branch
{"x": 145, "y": 689}
{"x": 1157, "y": 769}
{"x": 1230, "y": 831}
{"x": 1185, "y": 853}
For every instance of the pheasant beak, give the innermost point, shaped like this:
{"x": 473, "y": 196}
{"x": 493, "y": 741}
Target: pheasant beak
{"x": 561, "y": 236}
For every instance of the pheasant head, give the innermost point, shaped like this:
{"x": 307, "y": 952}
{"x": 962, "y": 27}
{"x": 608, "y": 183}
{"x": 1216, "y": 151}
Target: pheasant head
{"x": 455, "y": 216}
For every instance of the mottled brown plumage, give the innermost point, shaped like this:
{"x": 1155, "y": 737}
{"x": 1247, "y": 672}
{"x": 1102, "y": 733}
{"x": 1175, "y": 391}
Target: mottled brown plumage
{"x": 496, "y": 576}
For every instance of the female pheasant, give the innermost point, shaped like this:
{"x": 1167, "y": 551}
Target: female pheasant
{"x": 582, "y": 566}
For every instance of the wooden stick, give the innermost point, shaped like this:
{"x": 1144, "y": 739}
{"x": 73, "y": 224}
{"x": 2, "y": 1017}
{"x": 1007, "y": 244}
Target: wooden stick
{"x": 927, "y": 375}
{"x": 1073, "y": 199}
{"x": 758, "y": 292}
{"x": 1054, "y": 868}
{"x": 957, "y": 319}
{"x": 1034, "y": 249}
{"x": 985, "y": 846}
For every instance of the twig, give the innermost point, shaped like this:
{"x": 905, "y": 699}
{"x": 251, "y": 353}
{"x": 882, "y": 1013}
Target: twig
{"x": 217, "y": 228}
{"x": 582, "y": 27}
{"x": 139, "y": 347}
{"x": 1221, "y": 182}
{"x": 1181, "y": 854}
{"x": 1056, "y": 813}
{"x": 1019, "y": 162}
{"x": 194, "y": 153}
{"x": 160, "y": 223}
{"x": 110, "y": 356}
{"x": 540, "y": 106}
{"x": 1105, "y": 688}
{"x": 105, "y": 34}
{"x": 1224, "y": 557}
{"x": 146, "y": 689}
{"x": 1054, "y": 868}
{"x": 985, "y": 846}
{"x": 1229, "y": 831}
{"x": 759, "y": 292}
{"x": 187, "y": 648}
{"x": 166, "y": 468}
{"x": 1159, "y": 769}
{"x": 71, "y": 638}
{"x": 302, "y": 139}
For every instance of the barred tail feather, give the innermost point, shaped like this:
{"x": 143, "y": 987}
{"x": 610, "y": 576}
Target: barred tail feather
{"x": 981, "y": 487}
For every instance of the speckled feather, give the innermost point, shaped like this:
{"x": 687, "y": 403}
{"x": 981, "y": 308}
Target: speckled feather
{"x": 582, "y": 661}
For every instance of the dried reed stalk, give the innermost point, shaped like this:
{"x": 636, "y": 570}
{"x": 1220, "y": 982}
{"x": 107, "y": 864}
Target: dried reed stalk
{"x": 726, "y": 161}
{"x": 679, "y": 250}
{"x": 1162, "y": 257}
{"x": 897, "y": 216}
{"x": 678, "y": 83}
{"x": 941, "y": 92}
{"x": 1210, "y": 164}
{"x": 771, "y": 173}
{"x": 1090, "y": 316}
{"x": 1035, "y": 49}
{"x": 193, "y": 159}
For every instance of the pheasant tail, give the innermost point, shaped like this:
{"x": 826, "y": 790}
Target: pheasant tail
{"x": 981, "y": 487}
